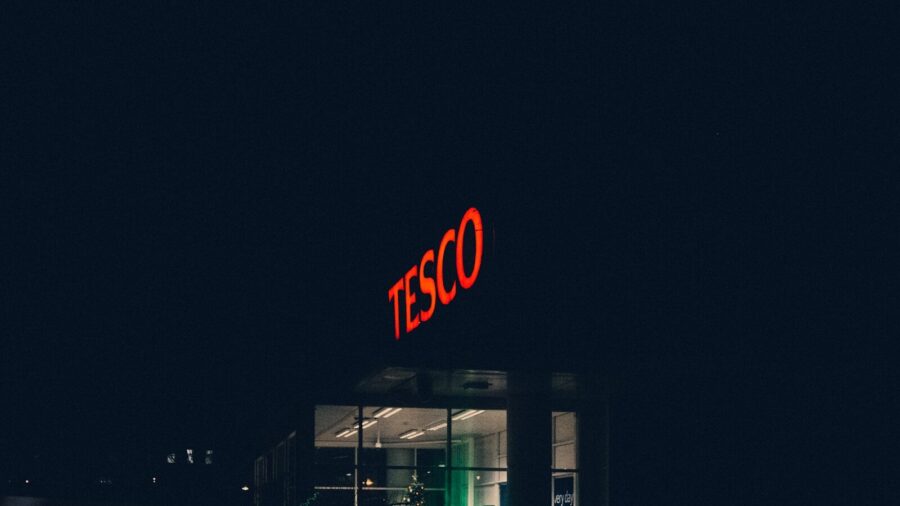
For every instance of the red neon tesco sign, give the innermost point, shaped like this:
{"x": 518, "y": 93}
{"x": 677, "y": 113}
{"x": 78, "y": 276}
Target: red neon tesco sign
{"x": 437, "y": 288}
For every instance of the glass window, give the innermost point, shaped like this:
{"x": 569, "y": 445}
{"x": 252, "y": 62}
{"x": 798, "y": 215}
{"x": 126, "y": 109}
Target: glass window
{"x": 414, "y": 438}
{"x": 479, "y": 438}
{"x": 332, "y": 497}
{"x": 564, "y": 473}
{"x": 335, "y": 426}
{"x": 478, "y": 488}
{"x": 397, "y": 444}
{"x": 564, "y": 456}
{"x": 563, "y": 427}
{"x": 478, "y": 441}
{"x": 334, "y": 468}
{"x": 401, "y": 442}
{"x": 564, "y": 489}
{"x": 564, "y": 440}
{"x": 373, "y": 496}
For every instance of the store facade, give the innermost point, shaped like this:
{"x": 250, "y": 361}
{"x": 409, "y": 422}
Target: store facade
{"x": 464, "y": 450}
{"x": 446, "y": 418}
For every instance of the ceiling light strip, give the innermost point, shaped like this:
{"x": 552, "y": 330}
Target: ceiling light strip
{"x": 386, "y": 412}
{"x": 473, "y": 413}
{"x": 392, "y": 412}
{"x": 460, "y": 414}
{"x": 466, "y": 414}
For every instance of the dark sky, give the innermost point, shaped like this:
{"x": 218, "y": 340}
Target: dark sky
{"x": 204, "y": 205}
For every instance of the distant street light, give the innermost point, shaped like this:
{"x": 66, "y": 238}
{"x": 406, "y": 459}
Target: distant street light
{"x": 245, "y": 488}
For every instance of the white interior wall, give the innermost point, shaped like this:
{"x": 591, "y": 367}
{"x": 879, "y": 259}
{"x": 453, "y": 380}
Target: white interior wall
{"x": 564, "y": 440}
{"x": 489, "y": 451}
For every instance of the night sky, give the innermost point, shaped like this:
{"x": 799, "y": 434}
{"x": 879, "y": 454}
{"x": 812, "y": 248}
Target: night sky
{"x": 205, "y": 207}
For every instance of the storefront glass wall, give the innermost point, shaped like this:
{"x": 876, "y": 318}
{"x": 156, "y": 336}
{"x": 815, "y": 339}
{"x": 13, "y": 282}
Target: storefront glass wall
{"x": 367, "y": 455}
{"x": 565, "y": 473}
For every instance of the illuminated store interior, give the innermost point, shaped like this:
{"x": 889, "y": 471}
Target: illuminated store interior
{"x": 369, "y": 455}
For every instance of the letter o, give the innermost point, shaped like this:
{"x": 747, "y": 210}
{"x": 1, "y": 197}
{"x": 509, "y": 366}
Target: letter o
{"x": 475, "y": 217}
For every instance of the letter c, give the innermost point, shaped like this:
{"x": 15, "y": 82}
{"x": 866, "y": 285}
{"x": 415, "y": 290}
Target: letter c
{"x": 443, "y": 294}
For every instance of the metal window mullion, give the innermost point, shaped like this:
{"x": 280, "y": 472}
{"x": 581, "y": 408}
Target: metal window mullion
{"x": 448, "y": 458}
{"x": 357, "y": 458}
{"x": 405, "y": 467}
{"x": 470, "y": 468}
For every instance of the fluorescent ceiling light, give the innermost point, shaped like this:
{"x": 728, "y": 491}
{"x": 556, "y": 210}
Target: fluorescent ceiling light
{"x": 386, "y": 412}
{"x": 366, "y": 423}
{"x": 412, "y": 434}
{"x": 467, "y": 413}
{"x": 437, "y": 426}
{"x": 460, "y": 414}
